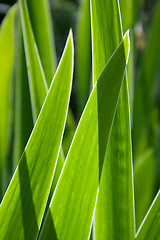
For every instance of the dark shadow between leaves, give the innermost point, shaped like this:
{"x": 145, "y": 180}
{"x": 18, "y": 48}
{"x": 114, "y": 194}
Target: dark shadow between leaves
{"x": 107, "y": 95}
{"x": 30, "y": 225}
{"x": 48, "y": 230}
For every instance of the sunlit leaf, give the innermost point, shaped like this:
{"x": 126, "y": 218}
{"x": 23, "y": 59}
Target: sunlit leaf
{"x": 116, "y": 188}
{"x": 72, "y": 206}
{"x": 126, "y": 10}
{"x": 126, "y": 7}
{"x": 25, "y": 200}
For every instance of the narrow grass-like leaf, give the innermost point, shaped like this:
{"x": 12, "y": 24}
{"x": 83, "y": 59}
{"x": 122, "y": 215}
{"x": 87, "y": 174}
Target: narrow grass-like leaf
{"x": 150, "y": 227}
{"x": 83, "y": 67}
{"x": 116, "y": 188}
{"x": 126, "y": 13}
{"x": 6, "y": 68}
{"x": 143, "y": 133}
{"x": 38, "y": 84}
{"x": 99, "y": 9}
{"x": 72, "y": 206}
{"x": 144, "y": 180}
{"x": 130, "y": 10}
{"x": 23, "y": 123}
{"x": 23, "y": 205}
{"x": 40, "y": 16}
{"x": 126, "y": 10}
{"x": 37, "y": 81}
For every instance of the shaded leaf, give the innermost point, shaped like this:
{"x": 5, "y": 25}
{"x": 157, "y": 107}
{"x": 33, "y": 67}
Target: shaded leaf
{"x": 69, "y": 132}
{"x": 7, "y": 52}
{"x": 83, "y": 67}
{"x": 23, "y": 123}
{"x": 144, "y": 180}
{"x": 150, "y": 226}
{"x": 37, "y": 81}
{"x": 43, "y": 32}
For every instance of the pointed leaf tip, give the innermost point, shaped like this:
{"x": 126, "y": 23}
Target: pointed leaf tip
{"x": 93, "y": 130}
{"x": 70, "y": 37}
{"x": 36, "y": 162}
{"x": 126, "y": 40}
{"x": 71, "y": 33}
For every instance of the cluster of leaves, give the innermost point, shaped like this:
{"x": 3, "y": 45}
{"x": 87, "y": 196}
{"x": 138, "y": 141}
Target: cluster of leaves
{"x": 68, "y": 180}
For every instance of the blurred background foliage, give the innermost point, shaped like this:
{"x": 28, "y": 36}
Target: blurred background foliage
{"x": 143, "y": 18}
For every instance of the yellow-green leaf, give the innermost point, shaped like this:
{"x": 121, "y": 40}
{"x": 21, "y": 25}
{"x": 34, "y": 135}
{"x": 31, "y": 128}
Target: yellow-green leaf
{"x": 25, "y": 200}
{"x": 116, "y": 187}
{"x": 7, "y": 52}
{"x": 72, "y": 206}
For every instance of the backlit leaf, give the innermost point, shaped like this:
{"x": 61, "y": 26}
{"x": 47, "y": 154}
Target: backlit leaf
{"x": 116, "y": 187}
{"x": 72, "y": 206}
{"x": 25, "y": 200}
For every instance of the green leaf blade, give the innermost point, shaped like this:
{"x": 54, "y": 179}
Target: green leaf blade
{"x": 24, "y": 202}
{"x": 37, "y": 81}
{"x": 99, "y": 27}
{"x": 149, "y": 228}
{"x": 83, "y": 53}
{"x": 43, "y": 32}
{"x": 144, "y": 183}
{"x": 72, "y": 207}
{"x": 7, "y": 53}
{"x": 23, "y": 122}
{"x": 117, "y": 177}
